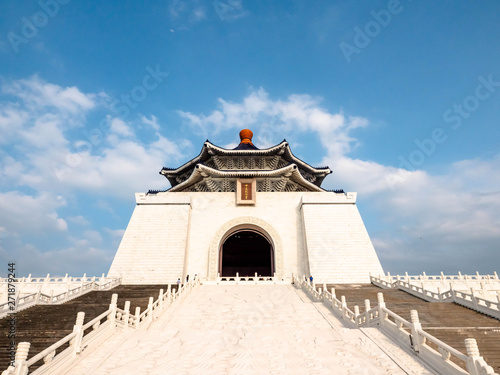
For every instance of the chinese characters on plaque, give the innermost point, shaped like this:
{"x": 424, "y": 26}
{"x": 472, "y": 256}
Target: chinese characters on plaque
{"x": 245, "y": 191}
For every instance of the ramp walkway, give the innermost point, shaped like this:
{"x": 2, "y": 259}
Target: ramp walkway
{"x": 43, "y": 325}
{"x": 247, "y": 329}
{"x": 449, "y": 322}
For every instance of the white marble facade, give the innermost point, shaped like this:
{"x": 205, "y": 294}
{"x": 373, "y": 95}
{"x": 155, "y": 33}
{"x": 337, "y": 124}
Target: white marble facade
{"x": 221, "y": 192}
{"x": 173, "y": 234}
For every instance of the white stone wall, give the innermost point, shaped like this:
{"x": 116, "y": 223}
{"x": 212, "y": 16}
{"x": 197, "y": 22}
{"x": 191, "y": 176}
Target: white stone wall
{"x": 153, "y": 248}
{"x": 171, "y": 235}
{"x": 337, "y": 243}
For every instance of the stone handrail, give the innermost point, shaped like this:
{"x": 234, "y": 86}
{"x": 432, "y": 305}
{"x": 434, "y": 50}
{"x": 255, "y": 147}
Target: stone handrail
{"x": 39, "y": 297}
{"x": 405, "y": 333}
{"x": 470, "y": 300}
{"x": 79, "y": 341}
{"x": 256, "y": 279}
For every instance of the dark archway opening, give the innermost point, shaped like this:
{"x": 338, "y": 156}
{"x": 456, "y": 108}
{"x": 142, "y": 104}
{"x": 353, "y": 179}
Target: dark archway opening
{"x": 247, "y": 253}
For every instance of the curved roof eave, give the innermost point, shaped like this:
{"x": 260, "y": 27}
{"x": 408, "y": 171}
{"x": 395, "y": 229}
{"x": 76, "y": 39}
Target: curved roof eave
{"x": 201, "y": 169}
{"x": 284, "y": 144}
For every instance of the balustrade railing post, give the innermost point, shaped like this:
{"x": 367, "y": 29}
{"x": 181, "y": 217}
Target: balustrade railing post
{"x": 20, "y": 360}
{"x": 37, "y": 297}
{"x": 367, "y": 311}
{"x": 82, "y": 282}
{"x": 407, "y": 277}
{"x": 415, "y": 328}
{"x": 68, "y": 288}
{"x": 126, "y": 316}
{"x": 344, "y": 306}
{"x": 160, "y": 297}
{"x": 101, "y": 282}
{"x": 150, "y": 307}
{"x": 46, "y": 281}
{"x": 473, "y": 298}
{"x": 495, "y": 275}
{"x": 112, "y": 308}
{"x": 76, "y": 343}
{"x": 381, "y": 307}
{"x": 440, "y": 296}
{"x": 137, "y": 317}
{"x": 356, "y": 314}
{"x": 475, "y": 363}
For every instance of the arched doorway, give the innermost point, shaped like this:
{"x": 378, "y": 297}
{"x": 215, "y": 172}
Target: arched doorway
{"x": 246, "y": 252}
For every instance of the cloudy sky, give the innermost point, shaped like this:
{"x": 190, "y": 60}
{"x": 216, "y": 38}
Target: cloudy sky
{"x": 401, "y": 99}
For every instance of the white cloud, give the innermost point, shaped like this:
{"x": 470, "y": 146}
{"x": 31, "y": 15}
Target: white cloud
{"x": 36, "y": 93}
{"x": 153, "y": 122}
{"x": 21, "y": 213}
{"x": 78, "y": 220}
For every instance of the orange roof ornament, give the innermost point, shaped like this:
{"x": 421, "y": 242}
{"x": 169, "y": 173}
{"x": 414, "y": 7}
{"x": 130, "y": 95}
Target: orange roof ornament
{"x": 246, "y": 136}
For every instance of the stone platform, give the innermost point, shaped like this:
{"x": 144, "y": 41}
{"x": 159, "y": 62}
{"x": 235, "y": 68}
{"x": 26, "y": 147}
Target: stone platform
{"x": 254, "y": 329}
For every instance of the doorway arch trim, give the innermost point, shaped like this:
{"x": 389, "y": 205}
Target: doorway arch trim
{"x": 240, "y": 223}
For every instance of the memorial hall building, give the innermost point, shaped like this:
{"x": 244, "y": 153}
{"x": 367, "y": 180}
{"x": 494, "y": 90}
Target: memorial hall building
{"x": 248, "y": 212}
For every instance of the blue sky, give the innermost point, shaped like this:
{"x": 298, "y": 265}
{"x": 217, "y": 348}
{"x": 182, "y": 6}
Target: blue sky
{"x": 400, "y": 98}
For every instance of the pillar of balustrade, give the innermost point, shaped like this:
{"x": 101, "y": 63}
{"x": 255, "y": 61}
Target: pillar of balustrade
{"x": 344, "y": 306}
{"x": 137, "y": 315}
{"x": 76, "y": 343}
{"x": 473, "y": 298}
{"x": 169, "y": 294}
{"x": 150, "y": 308}
{"x": 367, "y": 311}
{"x": 416, "y": 327}
{"x": 22, "y": 351}
{"x": 46, "y": 281}
{"x": 160, "y": 298}
{"x": 381, "y": 307}
{"x": 476, "y": 365}
{"x": 407, "y": 278}
{"x": 356, "y": 314}
{"x": 332, "y": 290}
{"x": 112, "y": 313}
{"x": 101, "y": 281}
{"x": 126, "y": 316}
{"x": 68, "y": 288}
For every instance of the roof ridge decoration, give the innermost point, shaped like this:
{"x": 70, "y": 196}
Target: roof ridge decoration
{"x": 216, "y": 168}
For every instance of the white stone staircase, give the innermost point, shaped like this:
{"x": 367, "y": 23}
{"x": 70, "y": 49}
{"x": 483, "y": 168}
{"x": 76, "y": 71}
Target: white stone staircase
{"x": 247, "y": 329}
